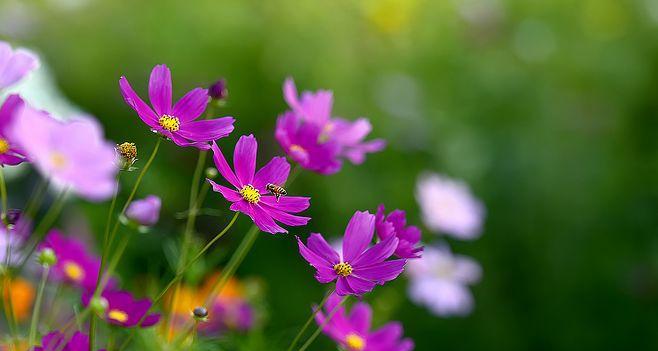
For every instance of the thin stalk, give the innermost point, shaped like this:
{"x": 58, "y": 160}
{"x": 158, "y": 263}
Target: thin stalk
{"x": 3, "y": 196}
{"x": 92, "y": 332}
{"x": 36, "y": 198}
{"x": 8, "y": 307}
{"x": 309, "y": 321}
{"x": 37, "y": 305}
{"x": 320, "y": 327}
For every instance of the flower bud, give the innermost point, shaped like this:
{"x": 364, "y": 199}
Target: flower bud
{"x": 127, "y": 155}
{"x": 144, "y": 212}
{"x": 211, "y": 172}
{"x": 13, "y": 216}
{"x": 99, "y": 305}
{"x": 47, "y": 257}
{"x": 200, "y": 314}
{"x": 218, "y": 90}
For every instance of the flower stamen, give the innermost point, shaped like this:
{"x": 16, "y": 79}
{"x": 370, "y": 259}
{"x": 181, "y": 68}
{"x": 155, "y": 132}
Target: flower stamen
{"x": 250, "y": 194}
{"x": 74, "y": 271}
{"x": 169, "y": 123}
{"x": 354, "y": 342}
{"x": 4, "y": 146}
{"x": 343, "y": 269}
{"x": 118, "y": 315}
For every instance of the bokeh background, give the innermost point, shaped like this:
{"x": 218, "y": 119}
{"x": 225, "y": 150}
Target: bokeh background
{"x": 547, "y": 108}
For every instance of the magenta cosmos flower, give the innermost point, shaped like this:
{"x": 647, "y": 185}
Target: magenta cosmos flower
{"x": 395, "y": 224}
{"x": 14, "y": 64}
{"x": 146, "y": 211}
{"x": 176, "y": 122}
{"x": 72, "y": 154}
{"x": 124, "y": 310}
{"x": 352, "y": 331}
{"x": 448, "y": 206}
{"x": 75, "y": 264}
{"x": 10, "y": 153}
{"x": 320, "y": 146}
{"x": 234, "y": 314}
{"x": 249, "y": 196}
{"x": 57, "y": 341}
{"x": 440, "y": 280}
{"x": 358, "y": 268}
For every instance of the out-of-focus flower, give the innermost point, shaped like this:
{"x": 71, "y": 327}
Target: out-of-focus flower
{"x": 250, "y": 197}
{"x": 124, "y": 310}
{"x": 75, "y": 264}
{"x": 10, "y": 153}
{"x": 20, "y": 293}
{"x": 218, "y": 90}
{"x": 439, "y": 280}
{"x": 178, "y": 122}
{"x": 145, "y": 212}
{"x": 320, "y": 145}
{"x": 71, "y": 154}
{"x": 352, "y": 330}
{"x": 395, "y": 224}
{"x": 449, "y": 206}
{"x": 10, "y": 243}
{"x": 58, "y": 341}
{"x": 358, "y": 268}
{"x": 14, "y": 64}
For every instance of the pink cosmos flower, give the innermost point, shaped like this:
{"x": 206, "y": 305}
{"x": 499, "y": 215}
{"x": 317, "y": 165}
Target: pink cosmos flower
{"x": 449, "y": 206}
{"x": 10, "y": 153}
{"x": 124, "y": 310}
{"x": 72, "y": 154}
{"x": 358, "y": 268}
{"x": 249, "y": 196}
{"x": 76, "y": 265}
{"x": 315, "y": 139}
{"x": 178, "y": 122}
{"x": 234, "y": 314}
{"x": 146, "y": 211}
{"x": 395, "y": 224}
{"x": 352, "y": 331}
{"x": 57, "y": 341}
{"x": 439, "y": 281}
{"x": 15, "y": 64}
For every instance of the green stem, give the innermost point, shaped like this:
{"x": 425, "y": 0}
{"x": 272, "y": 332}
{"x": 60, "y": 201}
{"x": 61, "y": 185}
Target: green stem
{"x": 3, "y": 196}
{"x": 309, "y": 321}
{"x": 8, "y": 307}
{"x": 106, "y": 234}
{"x": 178, "y": 276}
{"x": 92, "y": 332}
{"x": 34, "y": 202}
{"x": 37, "y": 305}
{"x": 45, "y": 224}
{"x": 320, "y": 327}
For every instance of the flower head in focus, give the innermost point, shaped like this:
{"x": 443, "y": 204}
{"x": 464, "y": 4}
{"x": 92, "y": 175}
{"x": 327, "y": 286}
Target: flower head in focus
{"x": 10, "y": 153}
{"x": 250, "y": 193}
{"x": 124, "y": 310}
{"x": 317, "y": 140}
{"x": 127, "y": 153}
{"x": 15, "y": 64}
{"x": 177, "y": 122}
{"x": 144, "y": 212}
{"x": 75, "y": 264}
{"x": 351, "y": 331}
{"x": 449, "y": 206}
{"x": 58, "y": 341}
{"x": 359, "y": 267}
{"x": 439, "y": 280}
{"x": 71, "y": 154}
{"x": 395, "y": 224}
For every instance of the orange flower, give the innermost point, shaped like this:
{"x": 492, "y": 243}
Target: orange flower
{"x": 20, "y": 293}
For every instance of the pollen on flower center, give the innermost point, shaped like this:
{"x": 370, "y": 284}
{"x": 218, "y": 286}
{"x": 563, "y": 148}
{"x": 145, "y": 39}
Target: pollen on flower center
{"x": 4, "y": 146}
{"x": 58, "y": 160}
{"x": 169, "y": 123}
{"x": 355, "y": 342}
{"x": 296, "y": 148}
{"x": 344, "y": 269}
{"x": 74, "y": 271}
{"x": 118, "y": 316}
{"x": 250, "y": 194}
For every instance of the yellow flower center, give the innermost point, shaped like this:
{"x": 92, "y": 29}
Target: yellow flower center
{"x": 74, "y": 271}
{"x": 4, "y": 146}
{"x": 169, "y": 123}
{"x": 251, "y": 194}
{"x": 58, "y": 160}
{"x": 355, "y": 342}
{"x": 343, "y": 269}
{"x": 118, "y": 316}
{"x": 326, "y": 131}
{"x": 297, "y": 148}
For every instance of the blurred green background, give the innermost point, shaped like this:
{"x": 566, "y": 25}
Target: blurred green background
{"x": 547, "y": 108}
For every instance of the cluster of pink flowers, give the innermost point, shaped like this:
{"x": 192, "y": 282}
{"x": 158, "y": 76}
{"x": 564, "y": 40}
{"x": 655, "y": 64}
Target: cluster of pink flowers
{"x": 75, "y": 158}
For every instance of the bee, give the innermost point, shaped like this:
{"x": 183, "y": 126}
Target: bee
{"x": 276, "y": 190}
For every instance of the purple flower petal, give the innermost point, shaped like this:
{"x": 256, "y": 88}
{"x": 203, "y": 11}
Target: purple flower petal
{"x": 293, "y": 204}
{"x": 244, "y": 159}
{"x": 320, "y": 246}
{"x": 144, "y": 112}
{"x": 229, "y": 194}
{"x": 377, "y": 253}
{"x": 314, "y": 259}
{"x": 276, "y": 172}
{"x": 360, "y": 317}
{"x": 160, "y": 90}
{"x": 360, "y": 286}
{"x": 192, "y": 105}
{"x": 14, "y": 65}
{"x": 381, "y": 272}
{"x": 342, "y": 288}
{"x": 207, "y": 130}
{"x": 223, "y": 167}
{"x": 284, "y": 217}
{"x": 358, "y": 235}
